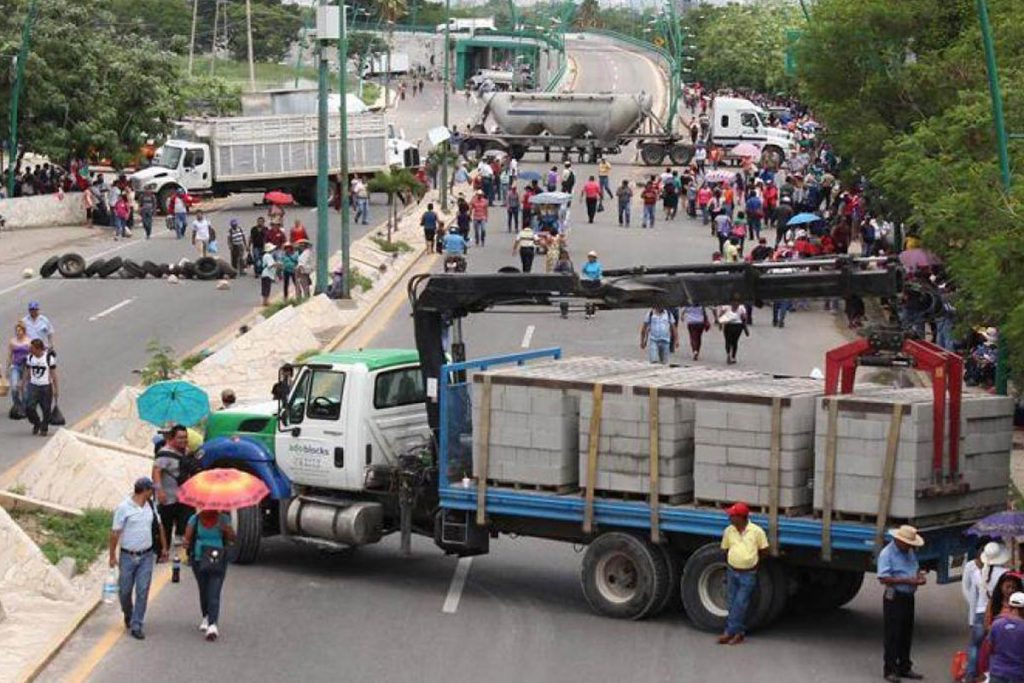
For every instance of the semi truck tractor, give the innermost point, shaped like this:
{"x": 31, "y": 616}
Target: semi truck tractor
{"x": 594, "y": 124}
{"x": 377, "y": 442}
{"x": 218, "y": 156}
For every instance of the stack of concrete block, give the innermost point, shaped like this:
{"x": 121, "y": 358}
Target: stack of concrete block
{"x": 733, "y": 442}
{"x": 534, "y": 419}
{"x": 624, "y": 445}
{"x": 862, "y": 429}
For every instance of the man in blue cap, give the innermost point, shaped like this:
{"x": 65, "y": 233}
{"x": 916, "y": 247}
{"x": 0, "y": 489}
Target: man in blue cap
{"x": 37, "y": 325}
{"x": 133, "y": 531}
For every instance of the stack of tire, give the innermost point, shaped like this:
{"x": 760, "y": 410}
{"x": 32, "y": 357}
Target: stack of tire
{"x": 73, "y": 266}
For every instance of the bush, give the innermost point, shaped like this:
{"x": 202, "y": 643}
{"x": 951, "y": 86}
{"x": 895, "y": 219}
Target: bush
{"x": 397, "y": 247}
{"x": 361, "y": 281}
{"x": 80, "y": 538}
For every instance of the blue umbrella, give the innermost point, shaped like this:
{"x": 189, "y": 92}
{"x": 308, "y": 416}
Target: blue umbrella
{"x": 1008, "y": 524}
{"x": 173, "y": 402}
{"x": 527, "y": 176}
{"x": 802, "y": 218}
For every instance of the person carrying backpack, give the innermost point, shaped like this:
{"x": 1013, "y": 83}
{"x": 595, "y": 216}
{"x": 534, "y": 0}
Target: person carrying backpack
{"x": 172, "y": 467}
{"x": 207, "y": 535}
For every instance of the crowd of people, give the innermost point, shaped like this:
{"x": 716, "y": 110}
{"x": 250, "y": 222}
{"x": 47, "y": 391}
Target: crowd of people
{"x": 31, "y": 372}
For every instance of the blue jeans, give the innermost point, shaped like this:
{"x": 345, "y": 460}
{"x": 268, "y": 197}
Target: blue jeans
{"x": 779, "y": 310}
{"x": 118, "y": 226}
{"x": 740, "y": 589}
{"x": 977, "y": 637}
{"x": 362, "y": 210}
{"x": 605, "y": 187}
{"x": 180, "y": 223}
{"x": 513, "y": 218}
{"x": 136, "y": 572}
{"x": 648, "y": 221}
{"x": 658, "y": 350}
{"x": 210, "y": 585}
{"x": 14, "y": 376}
{"x": 624, "y": 214}
{"x": 479, "y": 232}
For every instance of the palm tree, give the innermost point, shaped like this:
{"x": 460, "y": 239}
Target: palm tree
{"x": 394, "y": 183}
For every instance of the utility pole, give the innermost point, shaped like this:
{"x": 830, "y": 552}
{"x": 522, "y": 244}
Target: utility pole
{"x": 322, "y": 158}
{"x": 447, "y": 144}
{"x": 19, "y": 84}
{"x": 248, "y": 30}
{"x": 343, "y": 162}
{"x": 192, "y": 41}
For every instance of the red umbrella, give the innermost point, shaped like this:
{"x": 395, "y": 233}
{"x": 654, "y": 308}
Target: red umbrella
{"x": 278, "y": 197}
{"x": 913, "y": 259}
{"x": 222, "y": 489}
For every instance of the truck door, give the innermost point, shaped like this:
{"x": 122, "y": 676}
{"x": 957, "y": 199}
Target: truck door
{"x": 195, "y": 168}
{"x": 398, "y": 420}
{"x": 311, "y": 438}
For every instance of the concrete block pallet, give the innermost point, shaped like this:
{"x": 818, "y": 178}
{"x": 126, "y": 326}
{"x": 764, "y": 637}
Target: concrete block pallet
{"x": 861, "y": 436}
{"x": 733, "y": 438}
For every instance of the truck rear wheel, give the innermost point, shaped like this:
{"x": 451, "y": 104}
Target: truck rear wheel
{"x": 705, "y": 591}
{"x": 823, "y": 589}
{"x": 681, "y": 155}
{"x": 248, "y": 531}
{"x": 674, "y": 564}
{"x": 623, "y": 576}
{"x": 652, "y": 154}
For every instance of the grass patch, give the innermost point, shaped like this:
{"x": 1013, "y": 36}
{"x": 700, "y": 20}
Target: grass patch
{"x": 396, "y": 246}
{"x": 270, "y": 75}
{"x": 361, "y": 281}
{"x": 80, "y": 538}
{"x": 371, "y": 91}
{"x": 189, "y": 362}
{"x": 18, "y": 489}
{"x": 278, "y": 305}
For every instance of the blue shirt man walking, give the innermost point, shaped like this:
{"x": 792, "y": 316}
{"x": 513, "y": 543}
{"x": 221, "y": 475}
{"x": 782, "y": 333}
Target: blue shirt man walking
{"x": 132, "y": 530}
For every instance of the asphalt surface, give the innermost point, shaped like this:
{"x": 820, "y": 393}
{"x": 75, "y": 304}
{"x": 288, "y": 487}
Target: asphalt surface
{"x": 371, "y": 614}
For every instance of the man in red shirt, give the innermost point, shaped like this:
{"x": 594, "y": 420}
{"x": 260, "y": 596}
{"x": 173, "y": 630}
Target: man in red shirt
{"x": 650, "y": 199}
{"x": 276, "y": 236}
{"x": 769, "y": 200}
{"x": 478, "y": 214}
{"x": 591, "y": 193}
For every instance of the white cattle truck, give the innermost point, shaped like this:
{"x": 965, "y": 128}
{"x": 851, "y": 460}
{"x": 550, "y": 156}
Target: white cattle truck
{"x": 218, "y": 156}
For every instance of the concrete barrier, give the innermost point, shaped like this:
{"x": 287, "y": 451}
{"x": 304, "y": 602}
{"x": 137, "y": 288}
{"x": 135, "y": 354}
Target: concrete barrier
{"x": 24, "y": 567}
{"x": 43, "y": 211}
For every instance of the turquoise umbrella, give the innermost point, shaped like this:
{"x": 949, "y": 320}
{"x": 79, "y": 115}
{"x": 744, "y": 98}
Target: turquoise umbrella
{"x": 173, "y": 402}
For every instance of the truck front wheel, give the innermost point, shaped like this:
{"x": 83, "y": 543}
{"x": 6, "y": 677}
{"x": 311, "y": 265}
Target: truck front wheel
{"x": 772, "y": 157}
{"x": 248, "y": 532}
{"x": 705, "y": 591}
{"x": 164, "y": 198}
{"x": 623, "y": 576}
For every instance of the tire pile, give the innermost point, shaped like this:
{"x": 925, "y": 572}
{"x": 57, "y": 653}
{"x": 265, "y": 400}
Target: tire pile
{"x": 73, "y": 266}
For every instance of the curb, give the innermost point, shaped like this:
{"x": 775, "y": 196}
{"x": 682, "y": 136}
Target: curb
{"x": 31, "y": 671}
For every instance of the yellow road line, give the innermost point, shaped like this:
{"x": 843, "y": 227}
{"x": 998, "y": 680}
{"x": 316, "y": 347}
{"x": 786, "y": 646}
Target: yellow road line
{"x": 88, "y": 664}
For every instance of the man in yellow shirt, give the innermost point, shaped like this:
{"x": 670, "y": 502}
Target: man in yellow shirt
{"x": 744, "y": 544}
{"x": 604, "y": 172}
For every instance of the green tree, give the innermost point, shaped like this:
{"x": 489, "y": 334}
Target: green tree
{"x": 394, "y": 183}
{"x": 588, "y": 15}
{"x": 274, "y": 28}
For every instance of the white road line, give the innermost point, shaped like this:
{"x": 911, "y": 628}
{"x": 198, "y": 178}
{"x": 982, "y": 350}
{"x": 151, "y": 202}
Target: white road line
{"x": 451, "y": 602}
{"x": 20, "y": 285}
{"x": 107, "y": 311}
{"x": 527, "y": 337}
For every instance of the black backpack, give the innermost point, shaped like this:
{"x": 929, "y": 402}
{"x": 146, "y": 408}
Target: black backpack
{"x": 188, "y": 466}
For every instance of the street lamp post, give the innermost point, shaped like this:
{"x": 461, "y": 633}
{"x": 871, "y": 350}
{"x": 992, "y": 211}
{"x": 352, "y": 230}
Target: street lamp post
{"x": 343, "y": 143}
{"x": 446, "y": 145}
{"x": 19, "y": 82}
{"x": 322, "y": 156}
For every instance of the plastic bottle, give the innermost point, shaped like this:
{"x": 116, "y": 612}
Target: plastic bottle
{"x": 176, "y": 569}
{"x": 110, "y": 586}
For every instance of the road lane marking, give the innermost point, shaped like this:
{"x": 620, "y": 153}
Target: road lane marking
{"x": 107, "y": 311}
{"x": 451, "y": 602}
{"x": 527, "y": 337}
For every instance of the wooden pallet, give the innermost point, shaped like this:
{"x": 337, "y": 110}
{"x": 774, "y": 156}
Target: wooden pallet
{"x": 920, "y": 522}
{"x": 791, "y": 511}
{"x": 641, "y": 497}
{"x": 560, "y": 489}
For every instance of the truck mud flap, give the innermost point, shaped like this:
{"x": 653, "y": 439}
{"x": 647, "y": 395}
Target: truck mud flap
{"x": 456, "y": 533}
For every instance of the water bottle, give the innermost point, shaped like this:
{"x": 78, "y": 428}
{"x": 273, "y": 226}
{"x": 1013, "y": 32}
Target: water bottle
{"x": 176, "y": 569}
{"x": 110, "y": 586}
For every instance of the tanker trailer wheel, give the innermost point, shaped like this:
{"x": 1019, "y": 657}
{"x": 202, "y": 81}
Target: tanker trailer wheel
{"x": 681, "y": 155}
{"x": 652, "y": 154}
{"x": 772, "y": 157}
{"x": 623, "y": 576}
{"x": 517, "y": 152}
{"x": 705, "y": 591}
{"x": 248, "y": 523}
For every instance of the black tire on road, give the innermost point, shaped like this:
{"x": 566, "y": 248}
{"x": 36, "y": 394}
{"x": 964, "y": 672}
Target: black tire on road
{"x": 206, "y": 268}
{"x": 226, "y": 269}
{"x": 165, "y": 269}
{"x": 49, "y": 266}
{"x": 674, "y": 560}
{"x": 704, "y": 591}
{"x": 152, "y": 269}
{"x": 131, "y": 269}
{"x": 821, "y": 589}
{"x": 248, "y": 531}
{"x": 71, "y": 265}
{"x": 652, "y": 154}
{"x": 94, "y": 267}
{"x": 681, "y": 154}
{"x": 622, "y": 576}
{"x": 517, "y": 152}
{"x": 186, "y": 269}
{"x": 110, "y": 267}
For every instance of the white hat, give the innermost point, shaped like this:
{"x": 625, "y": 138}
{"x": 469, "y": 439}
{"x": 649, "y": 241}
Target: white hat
{"x": 268, "y": 247}
{"x": 907, "y": 534}
{"x": 592, "y": 253}
{"x": 1016, "y": 599}
{"x": 995, "y": 554}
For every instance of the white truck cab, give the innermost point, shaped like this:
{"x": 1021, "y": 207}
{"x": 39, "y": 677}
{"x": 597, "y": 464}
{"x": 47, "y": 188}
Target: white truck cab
{"x": 348, "y": 411}
{"x": 177, "y": 163}
{"x": 735, "y": 120}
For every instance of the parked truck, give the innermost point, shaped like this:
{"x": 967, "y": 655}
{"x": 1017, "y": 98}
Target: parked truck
{"x": 218, "y": 156}
{"x": 378, "y": 442}
{"x": 383, "y": 63}
{"x": 595, "y": 124}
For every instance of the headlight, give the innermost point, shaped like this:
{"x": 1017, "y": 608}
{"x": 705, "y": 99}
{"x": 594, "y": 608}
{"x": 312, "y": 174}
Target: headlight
{"x": 149, "y": 186}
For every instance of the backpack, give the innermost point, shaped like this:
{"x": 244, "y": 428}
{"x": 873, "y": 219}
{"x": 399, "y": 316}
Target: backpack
{"x": 188, "y": 466}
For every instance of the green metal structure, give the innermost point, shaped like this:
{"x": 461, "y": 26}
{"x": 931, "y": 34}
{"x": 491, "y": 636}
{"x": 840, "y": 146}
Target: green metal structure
{"x": 346, "y": 236}
{"x": 19, "y": 84}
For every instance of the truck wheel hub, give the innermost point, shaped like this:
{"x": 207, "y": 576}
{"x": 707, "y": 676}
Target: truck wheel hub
{"x": 714, "y": 590}
{"x": 617, "y": 577}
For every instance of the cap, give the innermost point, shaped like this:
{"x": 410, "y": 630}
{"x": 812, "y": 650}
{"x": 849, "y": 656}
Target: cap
{"x": 738, "y": 510}
{"x": 143, "y": 484}
{"x": 234, "y": 223}
{"x": 33, "y": 305}
{"x": 1017, "y": 599}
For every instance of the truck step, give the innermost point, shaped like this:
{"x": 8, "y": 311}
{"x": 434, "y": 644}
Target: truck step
{"x": 559, "y": 489}
{"x": 791, "y": 511}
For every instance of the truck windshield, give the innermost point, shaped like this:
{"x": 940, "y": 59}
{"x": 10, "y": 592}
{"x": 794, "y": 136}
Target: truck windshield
{"x": 167, "y": 156}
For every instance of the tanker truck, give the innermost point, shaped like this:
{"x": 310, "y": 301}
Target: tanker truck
{"x": 603, "y": 123}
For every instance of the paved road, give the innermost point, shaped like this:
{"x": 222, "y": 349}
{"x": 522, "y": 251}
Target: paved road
{"x": 370, "y": 614}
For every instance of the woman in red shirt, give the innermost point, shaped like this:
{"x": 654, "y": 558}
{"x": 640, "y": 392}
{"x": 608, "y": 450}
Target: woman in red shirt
{"x": 298, "y": 232}
{"x": 591, "y": 194}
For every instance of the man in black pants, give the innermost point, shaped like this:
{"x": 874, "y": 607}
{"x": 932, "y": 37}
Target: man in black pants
{"x": 39, "y": 385}
{"x": 171, "y": 468}
{"x": 899, "y": 572}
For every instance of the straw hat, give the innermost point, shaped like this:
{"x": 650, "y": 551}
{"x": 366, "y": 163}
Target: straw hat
{"x": 907, "y": 534}
{"x": 592, "y": 253}
{"x": 995, "y": 554}
{"x": 268, "y": 247}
